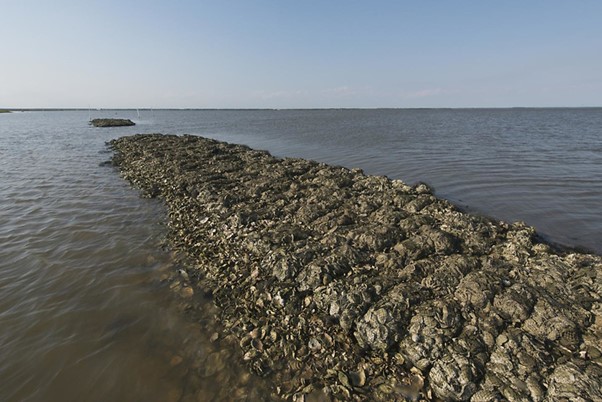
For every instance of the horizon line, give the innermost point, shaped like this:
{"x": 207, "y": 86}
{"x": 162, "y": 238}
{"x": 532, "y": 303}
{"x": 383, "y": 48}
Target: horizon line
{"x": 33, "y": 109}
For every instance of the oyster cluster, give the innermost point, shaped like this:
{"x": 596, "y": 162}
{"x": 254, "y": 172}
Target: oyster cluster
{"x": 111, "y": 122}
{"x": 343, "y": 286}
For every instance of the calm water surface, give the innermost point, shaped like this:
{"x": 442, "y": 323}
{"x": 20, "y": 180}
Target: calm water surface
{"x": 82, "y": 313}
{"x": 541, "y": 166}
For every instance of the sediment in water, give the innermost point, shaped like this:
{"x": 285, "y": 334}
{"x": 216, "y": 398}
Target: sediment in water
{"x": 347, "y": 286}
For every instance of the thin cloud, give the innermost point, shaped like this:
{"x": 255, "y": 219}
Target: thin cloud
{"x": 423, "y": 93}
{"x": 268, "y": 95}
{"x": 341, "y": 91}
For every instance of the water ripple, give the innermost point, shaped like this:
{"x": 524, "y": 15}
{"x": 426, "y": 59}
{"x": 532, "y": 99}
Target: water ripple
{"x": 80, "y": 316}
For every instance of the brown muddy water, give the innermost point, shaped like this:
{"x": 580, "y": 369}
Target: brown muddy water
{"x": 84, "y": 314}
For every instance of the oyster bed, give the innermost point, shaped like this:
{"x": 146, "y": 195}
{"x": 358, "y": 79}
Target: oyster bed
{"x": 112, "y": 122}
{"x": 340, "y": 285}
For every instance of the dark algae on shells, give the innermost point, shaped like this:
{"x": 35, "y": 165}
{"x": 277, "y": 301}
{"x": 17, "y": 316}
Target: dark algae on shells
{"x": 343, "y": 286}
{"x": 111, "y": 122}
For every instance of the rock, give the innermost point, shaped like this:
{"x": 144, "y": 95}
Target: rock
{"x": 358, "y": 378}
{"x": 111, "y": 122}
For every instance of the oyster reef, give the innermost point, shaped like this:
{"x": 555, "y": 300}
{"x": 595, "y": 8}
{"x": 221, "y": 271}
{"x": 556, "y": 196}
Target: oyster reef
{"x": 343, "y": 286}
{"x": 111, "y": 122}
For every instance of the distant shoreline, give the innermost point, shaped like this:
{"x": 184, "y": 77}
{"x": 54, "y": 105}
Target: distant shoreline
{"x": 285, "y": 109}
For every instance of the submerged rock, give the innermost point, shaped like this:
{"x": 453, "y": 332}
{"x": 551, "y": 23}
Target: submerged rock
{"x": 111, "y": 122}
{"x": 339, "y": 285}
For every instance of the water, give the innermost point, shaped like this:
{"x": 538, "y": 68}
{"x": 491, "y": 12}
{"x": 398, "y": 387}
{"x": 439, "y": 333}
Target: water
{"x": 541, "y": 166}
{"x": 83, "y": 315}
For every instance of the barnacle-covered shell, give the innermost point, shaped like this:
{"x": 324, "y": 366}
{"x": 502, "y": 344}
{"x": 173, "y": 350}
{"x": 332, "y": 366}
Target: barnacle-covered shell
{"x": 383, "y": 324}
{"x": 429, "y": 331}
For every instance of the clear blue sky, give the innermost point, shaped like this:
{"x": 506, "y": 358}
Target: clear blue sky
{"x": 282, "y": 54}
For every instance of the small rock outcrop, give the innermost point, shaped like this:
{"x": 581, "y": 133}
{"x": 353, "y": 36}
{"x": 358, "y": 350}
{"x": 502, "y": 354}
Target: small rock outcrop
{"x": 111, "y": 122}
{"x": 344, "y": 286}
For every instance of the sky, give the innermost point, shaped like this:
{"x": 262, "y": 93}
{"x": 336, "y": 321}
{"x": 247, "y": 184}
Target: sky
{"x": 300, "y": 54}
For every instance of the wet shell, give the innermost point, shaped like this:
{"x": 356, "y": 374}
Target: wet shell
{"x": 486, "y": 396}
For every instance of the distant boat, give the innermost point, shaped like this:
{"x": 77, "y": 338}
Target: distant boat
{"x": 138, "y": 112}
